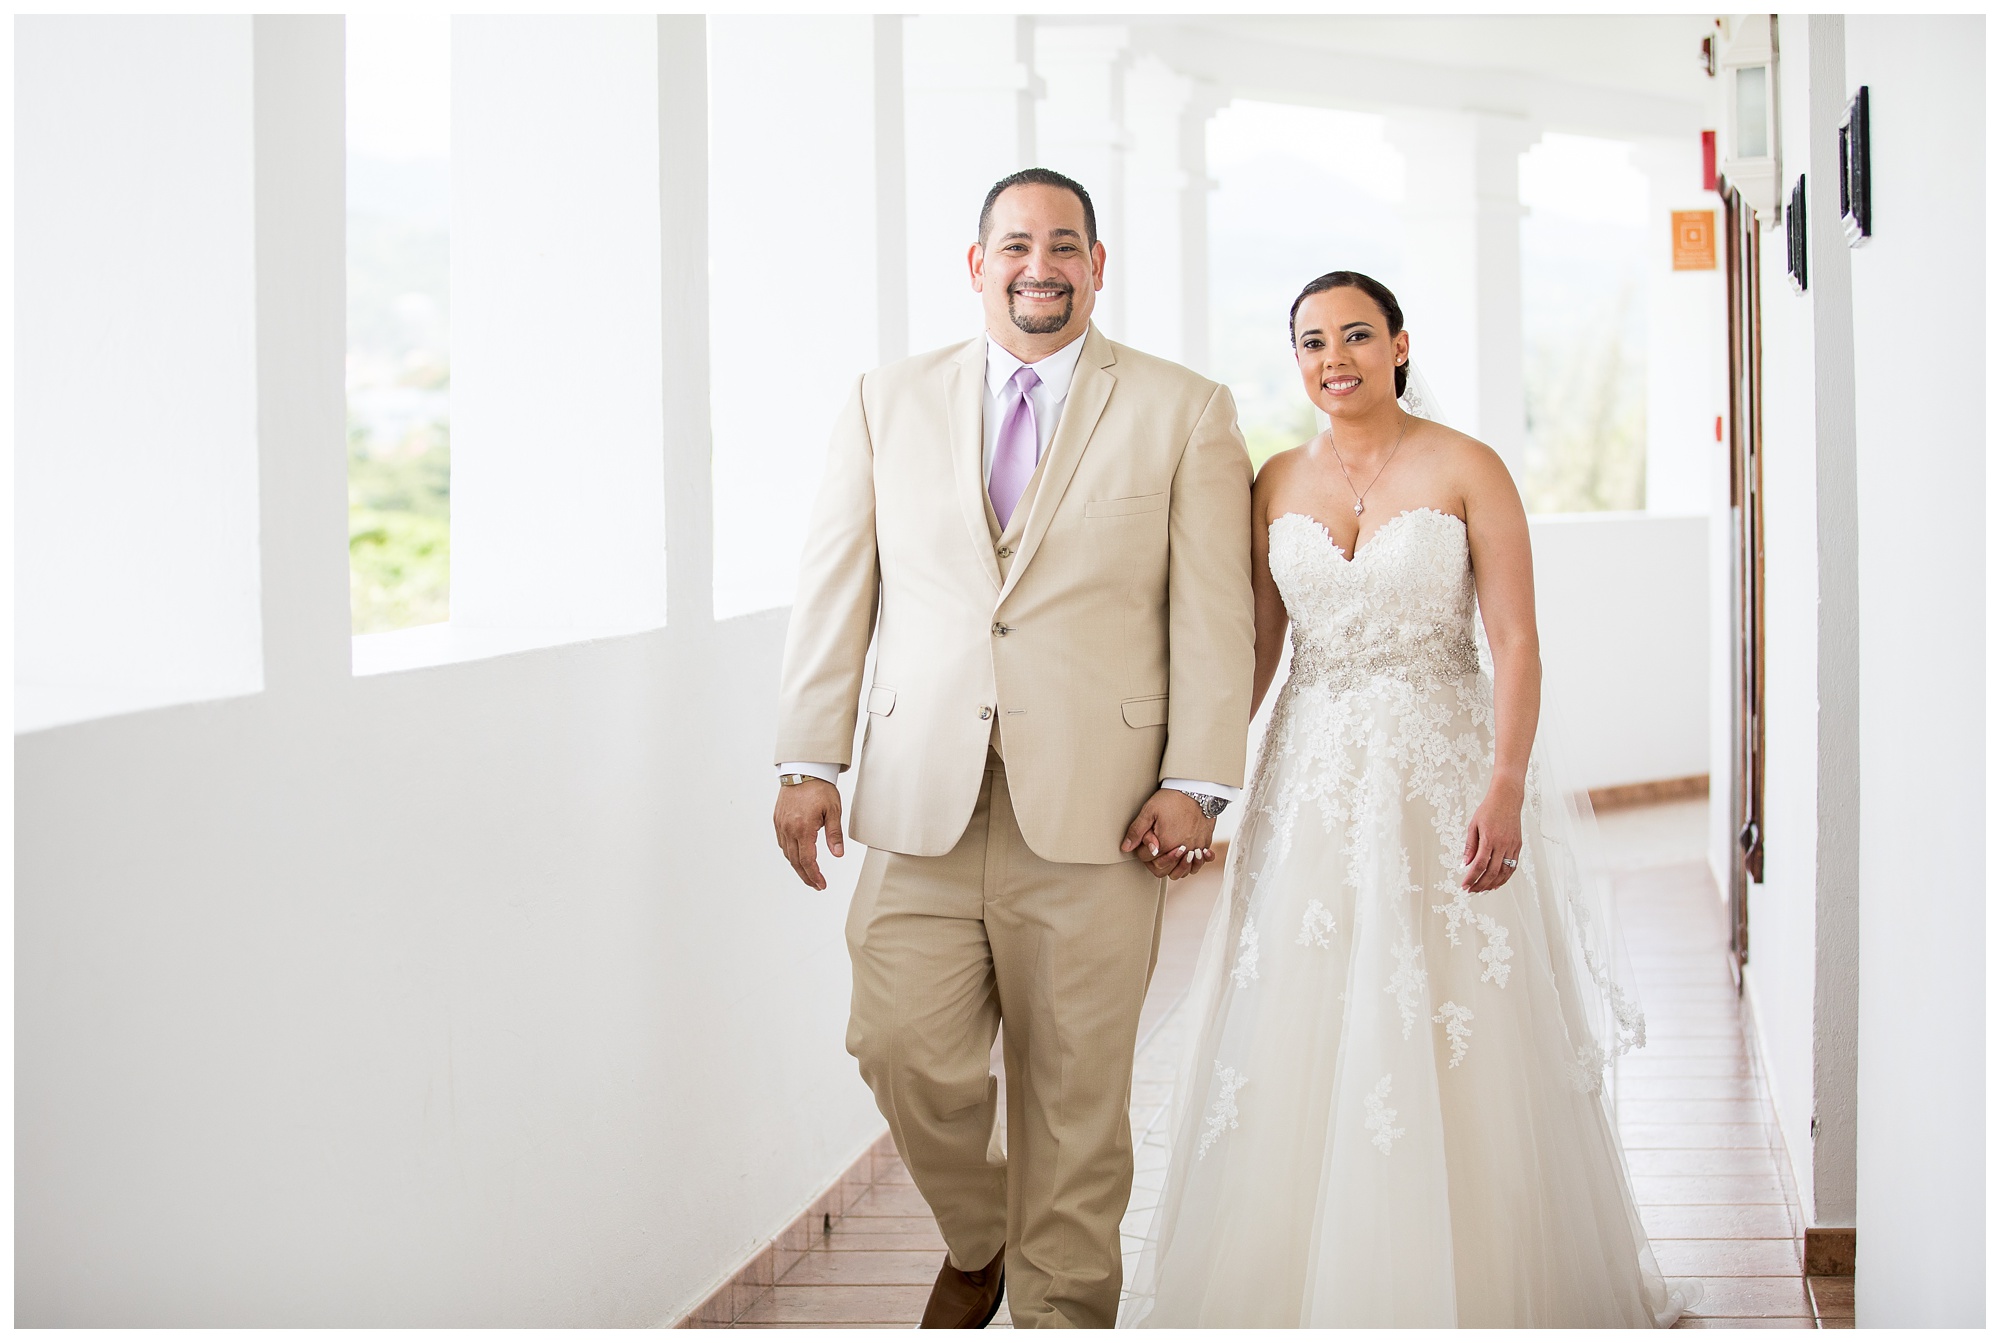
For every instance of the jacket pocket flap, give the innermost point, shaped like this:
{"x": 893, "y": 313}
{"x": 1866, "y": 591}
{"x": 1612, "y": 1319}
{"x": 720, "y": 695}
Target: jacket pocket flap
{"x": 881, "y": 700}
{"x": 1148, "y": 712}
{"x": 1118, "y": 508}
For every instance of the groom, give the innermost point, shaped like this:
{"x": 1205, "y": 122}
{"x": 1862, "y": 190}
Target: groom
{"x": 1047, "y": 536}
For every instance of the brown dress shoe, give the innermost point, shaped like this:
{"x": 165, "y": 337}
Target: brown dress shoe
{"x": 961, "y": 1300}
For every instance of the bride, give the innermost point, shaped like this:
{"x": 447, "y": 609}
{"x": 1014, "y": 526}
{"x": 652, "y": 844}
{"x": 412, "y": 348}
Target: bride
{"x": 1405, "y": 1006}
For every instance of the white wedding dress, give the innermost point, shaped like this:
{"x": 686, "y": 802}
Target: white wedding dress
{"x": 1394, "y": 1110}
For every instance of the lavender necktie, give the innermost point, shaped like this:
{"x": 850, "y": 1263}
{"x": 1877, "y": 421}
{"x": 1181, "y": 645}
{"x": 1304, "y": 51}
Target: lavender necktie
{"x": 1015, "y": 451}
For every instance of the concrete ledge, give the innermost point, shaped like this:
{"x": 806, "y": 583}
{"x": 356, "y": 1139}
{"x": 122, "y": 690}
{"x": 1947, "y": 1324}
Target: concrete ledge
{"x": 1830, "y": 1251}
{"x": 1647, "y": 794}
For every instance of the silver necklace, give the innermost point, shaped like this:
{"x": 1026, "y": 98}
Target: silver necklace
{"x": 1361, "y": 495}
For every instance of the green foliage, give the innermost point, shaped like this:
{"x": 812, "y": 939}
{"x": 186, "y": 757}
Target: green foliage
{"x": 1586, "y": 401}
{"x": 1266, "y": 439}
{"x": 399, "y": 531}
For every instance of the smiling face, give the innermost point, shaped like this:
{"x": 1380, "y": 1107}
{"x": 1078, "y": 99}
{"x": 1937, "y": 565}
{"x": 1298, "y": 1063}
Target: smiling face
{"x": 1037, "y": 273}
{"x": 1347, "y": 358}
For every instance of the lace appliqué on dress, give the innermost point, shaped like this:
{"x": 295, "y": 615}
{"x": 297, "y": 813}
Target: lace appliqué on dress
{"x": 1454, "y": 1018}
{"x": 1496, "y": 953}
{"x": 1457, "y": 912}
{"x": 1222, "y": 1114}
{"x": 1246, "y": 958}
{"x": 1317, "y": 928}
{"x": 1409, "y": 981}
{"x": 1587, "y": 1073}
{"x": 1380, "y": 1118}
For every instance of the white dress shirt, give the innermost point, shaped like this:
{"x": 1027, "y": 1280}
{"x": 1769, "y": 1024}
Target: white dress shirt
{"x": 1056, "y": 372}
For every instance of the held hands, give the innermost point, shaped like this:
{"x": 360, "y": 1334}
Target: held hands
{"x": 803, "y": 808}
{"x": 1171, "y": 835}
{"x": 1493, "y": 840}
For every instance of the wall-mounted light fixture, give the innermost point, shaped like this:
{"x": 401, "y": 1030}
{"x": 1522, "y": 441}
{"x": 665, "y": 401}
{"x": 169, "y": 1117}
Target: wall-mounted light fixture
{"x": 1855, "y": 212}
{"x": 1795, "y": 237}
{"x": 1750, "y": 114}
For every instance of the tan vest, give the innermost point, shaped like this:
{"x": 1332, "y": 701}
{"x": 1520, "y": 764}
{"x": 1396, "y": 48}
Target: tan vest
{"x": 1006, "y": 545}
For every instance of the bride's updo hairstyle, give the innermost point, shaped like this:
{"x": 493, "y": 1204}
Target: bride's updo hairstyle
{"x": 1375, "y": 289}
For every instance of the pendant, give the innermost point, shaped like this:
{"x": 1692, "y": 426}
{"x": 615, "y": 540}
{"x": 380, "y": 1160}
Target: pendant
{"x": 1357, "y": 508}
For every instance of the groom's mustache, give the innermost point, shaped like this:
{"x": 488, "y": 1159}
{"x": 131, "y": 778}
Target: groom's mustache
{"x": 1045, "y": 322}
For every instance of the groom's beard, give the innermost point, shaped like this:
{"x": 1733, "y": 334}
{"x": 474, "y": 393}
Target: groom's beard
{"x": 1047, "y": 325}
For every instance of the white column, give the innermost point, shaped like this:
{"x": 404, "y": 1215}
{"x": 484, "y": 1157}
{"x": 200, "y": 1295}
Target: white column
{"x": 1167, "y": 187}
{"x": 969, "y": 111}
{"x": 301, "y": 339}
{"x": 1461, "y": 294}
{"x": 1687, "y": 359}
{"x": 557, "y": 396}
{"x": 794, "y": 106}
{"x": 1080, "y": 131}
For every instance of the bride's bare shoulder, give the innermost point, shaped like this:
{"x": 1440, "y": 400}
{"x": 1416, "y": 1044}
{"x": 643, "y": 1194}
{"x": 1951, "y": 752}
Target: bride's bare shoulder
{"x": 1278, "y": 467}
{"x": 1475, "y": 466}
{"x": 1270, "y": 483}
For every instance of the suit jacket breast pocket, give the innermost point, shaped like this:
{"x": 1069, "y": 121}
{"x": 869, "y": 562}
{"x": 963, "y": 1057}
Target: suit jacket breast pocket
{"x": 1127, "y": 507}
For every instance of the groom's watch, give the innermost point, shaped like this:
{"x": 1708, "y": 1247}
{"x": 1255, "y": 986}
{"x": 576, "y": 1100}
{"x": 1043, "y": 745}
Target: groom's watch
{"x": 1211, "y": 807}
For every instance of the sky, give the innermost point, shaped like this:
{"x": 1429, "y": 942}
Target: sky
{"x": 399, "y": 85}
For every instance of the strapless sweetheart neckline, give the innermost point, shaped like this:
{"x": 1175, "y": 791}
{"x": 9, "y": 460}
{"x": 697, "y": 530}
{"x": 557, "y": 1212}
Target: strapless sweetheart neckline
{"x": 1334, "y": 545}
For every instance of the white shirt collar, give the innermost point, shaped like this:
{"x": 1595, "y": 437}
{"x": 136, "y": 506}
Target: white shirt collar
{"x": 1056, "y": 371}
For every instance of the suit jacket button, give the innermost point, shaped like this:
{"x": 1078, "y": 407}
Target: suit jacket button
{"x": 984, "y": 713}
{"x": 1005, "y": 551}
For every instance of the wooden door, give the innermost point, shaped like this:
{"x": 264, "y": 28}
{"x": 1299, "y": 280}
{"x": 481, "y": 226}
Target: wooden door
{"x": 1746, "y": 564}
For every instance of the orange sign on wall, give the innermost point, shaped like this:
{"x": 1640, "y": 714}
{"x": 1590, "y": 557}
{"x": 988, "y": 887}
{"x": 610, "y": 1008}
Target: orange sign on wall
{"x": 1694, "y": 240}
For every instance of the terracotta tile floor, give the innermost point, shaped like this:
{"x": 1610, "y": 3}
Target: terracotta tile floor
{"x": 1698, "y": 1128}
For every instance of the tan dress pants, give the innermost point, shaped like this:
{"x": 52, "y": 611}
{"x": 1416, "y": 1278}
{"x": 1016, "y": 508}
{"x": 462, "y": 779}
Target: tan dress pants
{"x": 944, "y": 950}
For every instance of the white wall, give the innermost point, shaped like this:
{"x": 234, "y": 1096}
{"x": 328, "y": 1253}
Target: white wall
{"x": 1622, "y": 604}
{"x": 557, "y": 499}
{"x": 969, "y": 114}
{"x": 1921, "y": 456}
{"x": 1802, "y": 970}
{"x": 470, "y": 995}
{"x": 793, "y": 195}
{"x": 1687, "y": 347}
{"x": 1167, "y": 184}
{"x": 1080, "y": 131}
{"x": 1779, "y": 971}
{"x": 1462, "y": 212}
{"x": 136, "y": 419}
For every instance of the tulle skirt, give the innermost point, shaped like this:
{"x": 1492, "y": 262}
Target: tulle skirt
{"x": 1394, "y": 1109}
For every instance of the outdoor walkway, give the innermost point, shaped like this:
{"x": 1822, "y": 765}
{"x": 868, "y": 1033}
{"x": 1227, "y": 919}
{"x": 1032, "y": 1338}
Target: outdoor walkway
{"x": 1699, "y": 1133}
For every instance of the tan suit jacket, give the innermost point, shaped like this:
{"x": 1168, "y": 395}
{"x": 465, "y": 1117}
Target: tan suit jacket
{"x": 1115, "y": 651}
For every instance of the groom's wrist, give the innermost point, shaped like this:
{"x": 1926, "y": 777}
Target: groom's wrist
{"x": 1212, "y": 798}
{"x": 829, "y": 773}
{"x": 1182, "y": 785}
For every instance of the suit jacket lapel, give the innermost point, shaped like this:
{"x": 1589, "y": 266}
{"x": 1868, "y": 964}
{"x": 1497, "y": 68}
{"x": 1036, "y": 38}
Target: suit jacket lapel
{"x": 965, "y": 405}
{"x": 1081, "y": 411}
